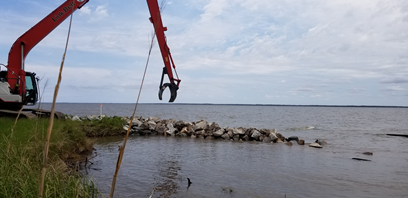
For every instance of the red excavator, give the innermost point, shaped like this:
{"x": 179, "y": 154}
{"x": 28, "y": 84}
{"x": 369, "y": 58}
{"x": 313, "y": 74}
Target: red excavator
{"x": 19, "y": 87}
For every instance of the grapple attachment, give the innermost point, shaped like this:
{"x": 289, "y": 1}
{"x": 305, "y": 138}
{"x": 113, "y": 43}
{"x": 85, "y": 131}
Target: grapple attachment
{"x": 173, "y": 91}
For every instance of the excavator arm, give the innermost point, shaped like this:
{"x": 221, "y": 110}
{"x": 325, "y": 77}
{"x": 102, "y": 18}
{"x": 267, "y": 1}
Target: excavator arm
{"x": 165, "y": 51}
{"x": 18, "y": 79}
{"x": 16, "y": 74}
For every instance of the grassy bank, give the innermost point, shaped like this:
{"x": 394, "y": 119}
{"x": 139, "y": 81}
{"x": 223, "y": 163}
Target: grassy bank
{"x": 21, "y": 156}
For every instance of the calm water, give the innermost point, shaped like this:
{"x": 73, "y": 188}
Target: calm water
{"x": 248, "y": 169}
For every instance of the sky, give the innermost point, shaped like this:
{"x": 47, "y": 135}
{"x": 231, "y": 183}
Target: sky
{"x": 295, "y": 52}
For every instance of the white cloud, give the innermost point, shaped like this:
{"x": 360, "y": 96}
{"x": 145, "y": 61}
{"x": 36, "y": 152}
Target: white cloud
{"x": 395, "y": 88}
{"x": 319, "y": 50}
{"x": 85, "y": 10}
{"x": 101, "y": 11}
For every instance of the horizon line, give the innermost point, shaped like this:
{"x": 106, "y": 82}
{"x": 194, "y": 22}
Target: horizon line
{"x": 237, "y": 104}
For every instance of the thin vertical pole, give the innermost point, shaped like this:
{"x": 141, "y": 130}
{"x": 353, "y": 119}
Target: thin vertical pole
{"x": 101, "y": 110}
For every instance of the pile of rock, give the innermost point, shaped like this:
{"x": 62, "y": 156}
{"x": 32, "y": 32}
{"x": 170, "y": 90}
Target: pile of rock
{"x": 200, "y": 129}
{"x": 81, "y": 118}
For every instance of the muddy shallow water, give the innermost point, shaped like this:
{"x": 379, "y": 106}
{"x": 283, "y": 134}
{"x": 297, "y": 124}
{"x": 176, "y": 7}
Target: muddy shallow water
{"x": 249, "y": 169}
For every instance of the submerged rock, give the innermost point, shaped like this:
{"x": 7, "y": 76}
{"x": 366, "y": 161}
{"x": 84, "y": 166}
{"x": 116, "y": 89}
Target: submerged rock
{"x": 295, "y": 138}
{"x": 280, "y": 136}
{"x": 360, "y": 159}
{"x": 315, "y": 145}
{"x": 321, "y": 142}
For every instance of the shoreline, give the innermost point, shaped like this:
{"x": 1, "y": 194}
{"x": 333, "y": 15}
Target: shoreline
{"x": 155, "y": 126}
{"x": 227, "y": 104}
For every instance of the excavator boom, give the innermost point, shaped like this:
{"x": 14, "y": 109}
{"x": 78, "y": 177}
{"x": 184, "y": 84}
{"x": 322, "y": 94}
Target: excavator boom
{"x": 22, "y": 46}
{"x": 19, "y": 88}
{"x": 165, "y": 51}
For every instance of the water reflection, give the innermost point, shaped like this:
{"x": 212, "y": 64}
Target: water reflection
{"x": 248, "y": 169}
{"x": 166, "y": 183}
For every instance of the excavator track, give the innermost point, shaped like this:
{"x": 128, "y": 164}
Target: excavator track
{"x": 11, "y": 113}
{"x": 47, "y": 114}
{"x": 31, "y": 114}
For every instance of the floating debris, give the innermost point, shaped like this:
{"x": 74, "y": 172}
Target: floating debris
{"x": 360, "y": 159}
{"x": 400, "y": 135}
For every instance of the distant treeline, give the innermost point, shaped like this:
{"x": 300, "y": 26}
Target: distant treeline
{"x": 274, "y": 105}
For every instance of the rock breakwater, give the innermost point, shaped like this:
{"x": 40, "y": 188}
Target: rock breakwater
{"x": 200, "y": 129}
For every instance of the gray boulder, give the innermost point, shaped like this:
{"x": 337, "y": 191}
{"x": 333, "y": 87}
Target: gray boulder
{"x": 261, "y": 137}
{"x": 238, "y": 131}
{"x": 214, "y": 127}
{"x": 230, "y": 134}
{"x": 201, "y": 125}
{"x": 160, "y": 128}
{"x": 136, "y": 122}
{"x": 267, "y": 140}
{"x": 170, "y": 129}
{"x": 155, "y": 119}
{"x": 151, "y": 124}
{"x": 225, "y": 136}
{"x": 76, "y": 118}
{"x": 94, "y": 117}
{"x": 256, "y": 134}
{"x": 273, "y": 136}
{"x": 246, "y": 138}
{"x": 199, "y": 133}
{"x": 218, "y": 133}
{"x": 267, "y": 132}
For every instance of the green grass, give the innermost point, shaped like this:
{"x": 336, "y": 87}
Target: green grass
{"x": 108, "y": 126}
{"x": 21, "y": 157}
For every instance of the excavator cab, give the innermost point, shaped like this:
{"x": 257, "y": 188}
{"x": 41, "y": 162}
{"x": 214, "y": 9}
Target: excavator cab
{"x": 31, "y": 88}
{"x": 10, "y": 99}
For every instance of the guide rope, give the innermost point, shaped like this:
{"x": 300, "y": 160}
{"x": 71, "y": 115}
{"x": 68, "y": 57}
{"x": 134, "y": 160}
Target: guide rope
{"x": 51, "y": 122}
{"x": 122, "y": 148}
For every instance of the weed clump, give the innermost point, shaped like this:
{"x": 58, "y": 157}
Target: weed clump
{"x": 21, "y": 156}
